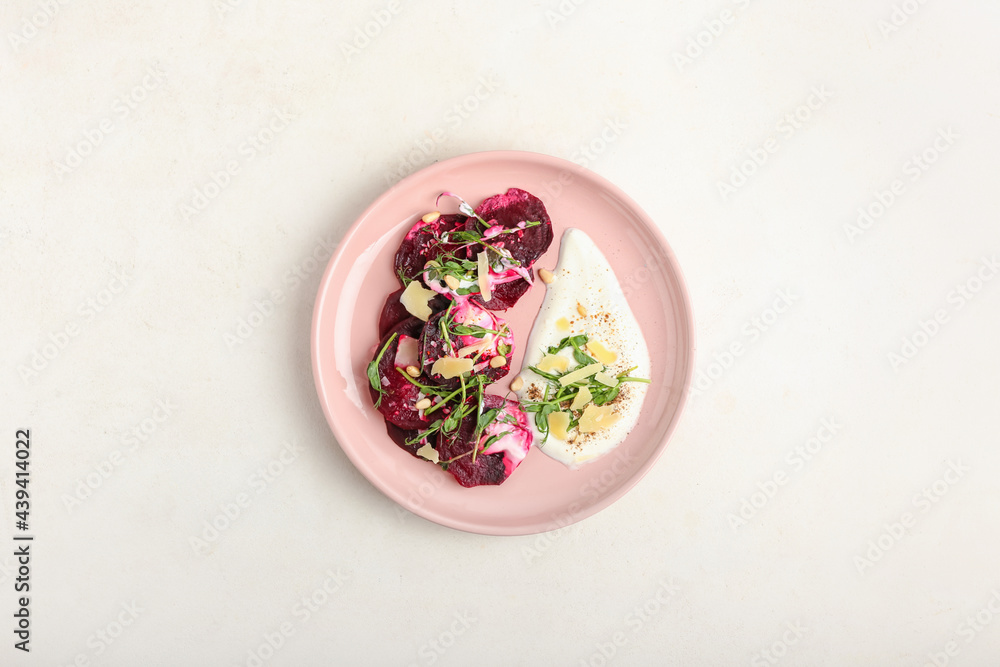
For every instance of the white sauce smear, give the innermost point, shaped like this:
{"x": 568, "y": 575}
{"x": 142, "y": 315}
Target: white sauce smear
{"x": 585, "y": 283}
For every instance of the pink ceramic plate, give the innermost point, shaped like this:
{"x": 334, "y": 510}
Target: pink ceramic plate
{"x": 542, "y": 494}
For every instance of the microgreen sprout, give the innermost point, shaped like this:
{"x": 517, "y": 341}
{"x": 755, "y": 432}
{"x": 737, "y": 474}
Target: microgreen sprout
{"x": 373, "y": 378}
{"x": 558, "y": 398}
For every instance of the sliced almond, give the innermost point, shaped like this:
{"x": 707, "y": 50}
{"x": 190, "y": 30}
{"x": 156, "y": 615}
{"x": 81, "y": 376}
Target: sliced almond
{"x": 597, "y": 418}
{"x": 558, "y": 425}
{"x": 601, "y": 353}
{"x": 580, "y": 374}
{"x": 451, "y": 367}
{"x": 582, "y": 399}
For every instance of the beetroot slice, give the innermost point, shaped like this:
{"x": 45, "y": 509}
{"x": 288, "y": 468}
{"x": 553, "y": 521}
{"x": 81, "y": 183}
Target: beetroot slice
{"x": 400, "y": 394}
{"x": 509, "y": 209}
{"x": 504, "y": 295}
{"x": 400, "y": 436}
{"x": 488, "y": 468}
{"x": 423, "y": 243}
{"x": 393, "y": 312}
{"x": 465, "y": 311}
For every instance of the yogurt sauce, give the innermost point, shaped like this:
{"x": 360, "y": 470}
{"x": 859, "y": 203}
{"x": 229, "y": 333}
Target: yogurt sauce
{"x": 585, "y": 298}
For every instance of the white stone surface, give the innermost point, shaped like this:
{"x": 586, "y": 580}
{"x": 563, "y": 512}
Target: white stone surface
{"x": 551, "y": 77}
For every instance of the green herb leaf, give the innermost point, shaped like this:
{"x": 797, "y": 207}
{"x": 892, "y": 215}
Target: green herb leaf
{"x": 373, "y": 378}
{"x": 489, "y": 441}
{"x": 486, "y": 418}
{"x": 471, "y": 330}
{"x": 544, "y": 374}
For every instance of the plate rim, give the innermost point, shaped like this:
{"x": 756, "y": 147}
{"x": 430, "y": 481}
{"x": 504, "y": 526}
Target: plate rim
{"x": 528, "y": 528}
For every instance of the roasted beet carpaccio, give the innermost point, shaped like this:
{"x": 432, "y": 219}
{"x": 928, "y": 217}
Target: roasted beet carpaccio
{"x": 442, "y": 342}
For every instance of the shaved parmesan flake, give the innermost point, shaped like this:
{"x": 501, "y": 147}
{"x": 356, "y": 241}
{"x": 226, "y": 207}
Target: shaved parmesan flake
{"x": 428, "y": 453}
{"x": 553, "y": 362}
{"x": 601, "y": 353}
{"x": 483, "y": 273}
{"x": 597, "y": 418}
{"x": 606, "y": 380}
{"x": 451, "y": 367}
{"x": 581, "y": 399}
{"x": 475, "y": 348}
{"x": 580, "y": 374}
{"x": 558, "y": 424}
{"x": 415, "y": 299}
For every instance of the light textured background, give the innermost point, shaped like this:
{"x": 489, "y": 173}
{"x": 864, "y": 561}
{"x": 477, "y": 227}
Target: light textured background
{"x": 670, "y": 571}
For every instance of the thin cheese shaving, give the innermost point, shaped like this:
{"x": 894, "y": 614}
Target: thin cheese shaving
{"x": 451, "y": 367}
{"x": 606, "y": 380}
{"x": 483, "y": 274}
{"x": 428, "y": 453}
{"x": 582, "y": 398}
{"x": 415, "y": 299}
{"x": 558, "y": 425}
{"x": 580, "y": 374}
{"x": 474, "y": 348}
{"x": 553, "y": 362}
{"x": 596, "y": 418}
{"x": 601, "y": 353}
